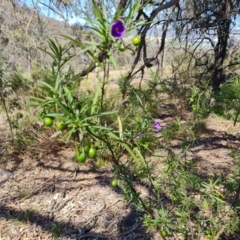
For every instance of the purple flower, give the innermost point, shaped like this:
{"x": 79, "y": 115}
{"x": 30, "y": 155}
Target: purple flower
{"x": 118, "y": 29}
{"x": 156, "y": 126}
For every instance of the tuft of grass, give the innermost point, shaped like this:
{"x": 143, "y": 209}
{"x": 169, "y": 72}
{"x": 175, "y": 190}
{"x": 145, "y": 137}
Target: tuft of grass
{"x": 23, "y": 193}
{"x": 199, "y": 127}
{"x": 56, "y": 230}
{"x": 24, "y": 216}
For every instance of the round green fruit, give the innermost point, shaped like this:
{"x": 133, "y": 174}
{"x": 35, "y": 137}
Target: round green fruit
{"x": 136, "y": 40}
{"x": 114, "y": 183}
{"x": 121, "y": 48}
{"x": 92, "y": 153}
{"x": 164, "y": 233}
{"x": 81, "y": 157}
{"x": 61, "y": 125}
{"x": 48, "y": 122}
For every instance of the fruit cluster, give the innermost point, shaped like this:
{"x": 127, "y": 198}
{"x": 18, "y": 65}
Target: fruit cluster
{"x": 81, "y": 155}
{"x": 60, "y": 124}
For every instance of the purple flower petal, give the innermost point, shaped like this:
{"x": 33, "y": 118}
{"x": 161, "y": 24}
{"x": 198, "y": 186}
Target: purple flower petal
{"x": 156, "y": 126}
{"x": 118, "y": 29}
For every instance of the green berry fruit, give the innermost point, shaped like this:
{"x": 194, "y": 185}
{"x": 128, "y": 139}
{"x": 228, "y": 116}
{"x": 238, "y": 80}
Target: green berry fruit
{"x": 164, "y": 233}
{"x": 136, "y": 40}
{"x": 92, "y": 153}
{"x": 114, "y": 183}
{"x": 121, "y": 48}
{"x": 48, "y": 122}
{"x": 86, "y": 148}
{"x": 81, "y": 157}
{"x": 61, "y": 125}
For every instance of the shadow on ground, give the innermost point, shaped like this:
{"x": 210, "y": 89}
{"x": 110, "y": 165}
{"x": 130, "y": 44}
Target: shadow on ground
{"x": 129, "y": 227}
{"x": 84, "y": 205}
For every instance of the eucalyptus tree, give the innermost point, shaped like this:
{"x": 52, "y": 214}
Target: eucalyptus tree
{"x": 211, "y": 21}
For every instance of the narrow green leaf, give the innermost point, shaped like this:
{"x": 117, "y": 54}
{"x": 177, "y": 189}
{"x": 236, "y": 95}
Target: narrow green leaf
{"x": 141, "y": 157}
{"x": 49, "y": 53}
{"x": 236, "y": 118}
{"x": 93, "y": 133}
{"x": 131, "y": 153}
{"x": 205, "y": 204}
{"x": 112, "y": 59}
{"x": 99, "y": 115}
{"x": 120, "y": 128}
{"x": 47, "y": 85}
{"x": 55, "y": 115}
{"x": 68, "y": 94}
{"x": 63, "y": 107}
{"x": 56, "y": 134}
{"x": 74, "y": 41}
{"x": 97, "y": 11}
{"x": 37, "y": 99}
{"x": 69, "y": 134}
{"x": 95, "y": 99}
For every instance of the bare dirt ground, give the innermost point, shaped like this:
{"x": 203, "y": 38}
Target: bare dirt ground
{"x": 47, "y": 195}
{"x": 52, "y": 197}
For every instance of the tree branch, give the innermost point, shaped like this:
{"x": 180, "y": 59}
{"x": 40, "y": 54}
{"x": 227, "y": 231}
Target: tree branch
{"x": 172, "y": 3}
{"x": 163, "y": 7}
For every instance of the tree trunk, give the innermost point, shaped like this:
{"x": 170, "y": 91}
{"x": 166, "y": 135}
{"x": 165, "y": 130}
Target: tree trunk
{"x": 220, "y": 49}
